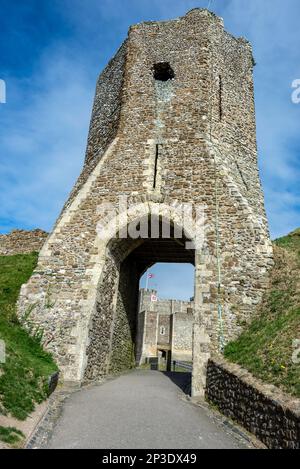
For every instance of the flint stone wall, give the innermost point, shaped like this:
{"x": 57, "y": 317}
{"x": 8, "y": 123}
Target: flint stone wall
{"x": 22, "y": 242}
{"x": 262, "y": 409}
{"x": 182, "y": 343}
{"x": 201, "y": 125}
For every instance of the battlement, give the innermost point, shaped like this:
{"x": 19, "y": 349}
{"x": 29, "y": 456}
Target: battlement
{"x": 148, "y": 301}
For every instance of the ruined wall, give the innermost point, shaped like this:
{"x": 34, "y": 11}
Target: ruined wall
{"x": 22, "y": 242}
{"x": 170, "y": 143}
{"x": 264, "y": 410}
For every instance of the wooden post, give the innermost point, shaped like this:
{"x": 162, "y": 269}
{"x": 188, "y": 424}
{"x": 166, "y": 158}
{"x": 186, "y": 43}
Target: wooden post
{"x": 169, "y": 360}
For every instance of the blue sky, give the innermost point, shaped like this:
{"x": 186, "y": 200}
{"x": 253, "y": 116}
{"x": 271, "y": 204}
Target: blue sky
{"x": 51, "y": 53}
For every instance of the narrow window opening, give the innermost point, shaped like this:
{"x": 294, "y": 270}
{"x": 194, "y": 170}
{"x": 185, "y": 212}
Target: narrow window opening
{"x": 155, "y": 165}
{"x": 163, "y": 71}
{"x": 220, "y": 98}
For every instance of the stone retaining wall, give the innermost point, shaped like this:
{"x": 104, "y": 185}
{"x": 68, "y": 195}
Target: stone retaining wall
{"x": 262, "y": 409}
{"x": 22, "y": 242}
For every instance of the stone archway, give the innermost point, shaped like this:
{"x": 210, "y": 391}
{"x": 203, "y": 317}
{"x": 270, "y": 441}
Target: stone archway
{"x": 112, "y": 332}
{"x": 156, "y": 135}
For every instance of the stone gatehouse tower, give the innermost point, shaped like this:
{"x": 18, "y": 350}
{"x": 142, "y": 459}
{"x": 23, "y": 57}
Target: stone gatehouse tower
{"x": 173, "y": 121}
{"x": 164, "y": 327}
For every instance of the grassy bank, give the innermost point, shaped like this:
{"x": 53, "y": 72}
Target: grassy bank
{"x": 268, "y": 348}
{"x": 24, "y": 375}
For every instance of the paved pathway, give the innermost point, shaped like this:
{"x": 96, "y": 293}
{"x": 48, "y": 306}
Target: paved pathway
{"x": 142, "y": 409}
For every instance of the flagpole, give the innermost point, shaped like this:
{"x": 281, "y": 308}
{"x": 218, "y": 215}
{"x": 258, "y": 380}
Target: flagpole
{"x": 147, "y": 279}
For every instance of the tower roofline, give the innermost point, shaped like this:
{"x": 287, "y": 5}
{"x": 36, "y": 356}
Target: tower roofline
{"x": 192, "y": 12}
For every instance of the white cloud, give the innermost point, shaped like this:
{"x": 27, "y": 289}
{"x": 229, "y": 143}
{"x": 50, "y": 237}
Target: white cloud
{"x": 43, "y": 142}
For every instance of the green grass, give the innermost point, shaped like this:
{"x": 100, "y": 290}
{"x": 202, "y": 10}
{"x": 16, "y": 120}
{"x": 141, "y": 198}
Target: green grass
{"x": 10, "y": 435}
{"x": 290, "y": 242}
{"x": 266, "y": 347}
{"x": 24, "y": 375}
{"x": 14, "y": 271}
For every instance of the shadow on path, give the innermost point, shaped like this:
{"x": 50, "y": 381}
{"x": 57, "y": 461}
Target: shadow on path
{"x": 182, "y": 380}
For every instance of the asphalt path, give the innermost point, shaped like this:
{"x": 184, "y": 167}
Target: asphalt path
{"x": 141, "y": 409}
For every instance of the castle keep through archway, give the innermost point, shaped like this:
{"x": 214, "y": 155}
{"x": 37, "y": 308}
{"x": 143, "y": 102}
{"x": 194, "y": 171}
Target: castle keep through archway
{"x": 173, "y": 122}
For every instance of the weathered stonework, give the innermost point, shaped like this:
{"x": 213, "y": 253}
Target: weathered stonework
{"x": 22, "y": 242}
{"x": 190, "y": 138}
{"x": 262, "y": 409}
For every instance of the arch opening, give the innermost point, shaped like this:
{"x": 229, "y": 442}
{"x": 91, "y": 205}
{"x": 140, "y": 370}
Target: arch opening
{"x": 115, "y": 342}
